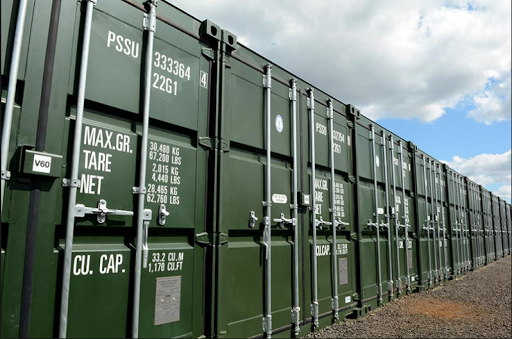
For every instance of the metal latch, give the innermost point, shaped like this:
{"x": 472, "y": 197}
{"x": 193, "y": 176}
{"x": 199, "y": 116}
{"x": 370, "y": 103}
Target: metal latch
{"x": 146, "y": 218}
{"x": 384, "y": 225}
{"x": 252, "y": 219}
{"x": 266, "y": 236}
{"x": 340, "y": 224}
{"x": 282, "y": 221}
{"x": 101, "y": 211}
{"x": 162, "y": 214}
{"x": 320, "y": 222}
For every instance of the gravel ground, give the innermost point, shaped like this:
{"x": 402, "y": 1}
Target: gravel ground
{"x": 476, "y": 305}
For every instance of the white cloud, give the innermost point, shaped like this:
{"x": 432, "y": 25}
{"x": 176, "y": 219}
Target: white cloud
{"x": 493, "y": 104}
{"x": 504, "y": 192}
{"x": 402, "y": 59}
{"x": 487, "y": 169}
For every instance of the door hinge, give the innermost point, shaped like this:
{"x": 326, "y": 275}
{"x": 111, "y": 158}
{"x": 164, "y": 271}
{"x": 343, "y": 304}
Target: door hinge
{"x": 213, "y": 143}
{"x": 208, "y": 52}
{"x": 211, "y": 239}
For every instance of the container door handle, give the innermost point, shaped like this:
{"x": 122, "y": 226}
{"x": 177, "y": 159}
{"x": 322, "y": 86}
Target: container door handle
{"x": 282, "y": 221}
{"x": 101, "y": 211}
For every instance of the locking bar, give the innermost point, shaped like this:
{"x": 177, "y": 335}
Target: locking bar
{"x": 395, "y": 217}
{"x": 74, "y": 164}
{"x": 267, "y": 84}
{"x": 443, "y": 224}
{"x": 334, "y": 261}
{"x": 404, "y": 218}
{"x": 149, "y": 25}
{"x": 464, "y": 226}
{"x": 311, "y": 111}
{"x": 376, "y": 214}
{"x": 11, "y": 93}
{"x": 295, "y": 311}
{"x": 436, "y": 219}
{"x": 457, "y": 225}
{"x": 386, "y": 225}
{"x": 427, "y": 221}
{"x": 432, "y": 220}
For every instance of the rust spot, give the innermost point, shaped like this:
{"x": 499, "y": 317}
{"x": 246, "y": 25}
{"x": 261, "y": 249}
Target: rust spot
{"x": 442, "y": 309}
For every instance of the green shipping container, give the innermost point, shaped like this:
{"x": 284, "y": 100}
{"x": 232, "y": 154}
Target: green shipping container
{"x": 161, "y": 180}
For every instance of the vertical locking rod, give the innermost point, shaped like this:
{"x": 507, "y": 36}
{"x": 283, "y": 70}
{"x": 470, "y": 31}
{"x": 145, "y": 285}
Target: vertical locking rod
{"x": 75, "y": 163}
{"x": 404, "y": 217}
{"x": 437, "y": 243}
{"x": 386, "y": 189}
{"x": 461, "y": 217}
{"x": 396, "y": 217}
{"x": 150, "y": 28}
{"x": 334, "y": 299}
{"x": 296, "y": 308}
{"x": 433, "y": 221}
{"x": 11, "y": 93}
{"x": 457, "y": 230}
{"x": 466, "y": 226}
{"x": 311, "y": 111}
{"x": 427, "y": 222}
{"x": 441, "y": 180}
{"x": 268, "y": 268}
{"x": 376, "y": 214}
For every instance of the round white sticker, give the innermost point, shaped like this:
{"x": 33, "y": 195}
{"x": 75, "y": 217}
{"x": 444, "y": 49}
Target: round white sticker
{"x": 279, "y": 123}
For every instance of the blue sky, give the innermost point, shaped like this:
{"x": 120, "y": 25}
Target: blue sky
{"x": 435, "y": 72}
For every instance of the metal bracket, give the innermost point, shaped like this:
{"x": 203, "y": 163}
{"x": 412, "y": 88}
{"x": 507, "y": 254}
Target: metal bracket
{"x": 162, "y": 214}
{"x": 311, "y": 99}
{"x": 314, "y": 313}
{"x": 267, "y": 82}
{"x": 139, "y": 190}
{"x": 335, "y": 306}
{"x": 252, "y": 219}
{"x": 149, "y": 21}
{"x": 71, "y": 183}
{"x": 320, "y": 222}
{"x": 208, "y": 52}
{"x": 6, "y": 175}
{"x": 101, "y": 211}
{"x": 291, "y": 93}
{"x": 266, "y": 324}
{"x": 295, "y": 312}
{"x": 330, "y": 113}
{"x": 282, "y": 221}
{"x": 215, "y": 240}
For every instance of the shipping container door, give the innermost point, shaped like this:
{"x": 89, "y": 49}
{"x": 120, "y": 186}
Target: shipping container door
{"x": 372, "y": 211}
{"x": 331, "y": 265}
{"x": 255, "y": 271}
{"x": 103, "y": 260}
